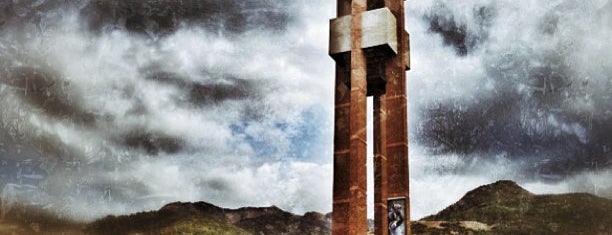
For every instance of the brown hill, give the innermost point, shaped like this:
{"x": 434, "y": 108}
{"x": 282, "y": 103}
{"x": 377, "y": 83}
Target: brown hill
{"x": 205, "y": 218}
{"x": 505, "y": 208}
{"x": 174, "y": 218}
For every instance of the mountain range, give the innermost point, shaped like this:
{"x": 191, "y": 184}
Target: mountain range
{"x": 502, "y": 207}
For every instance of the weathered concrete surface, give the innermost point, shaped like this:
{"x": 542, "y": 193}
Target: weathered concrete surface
{"x": 378, "y": 27}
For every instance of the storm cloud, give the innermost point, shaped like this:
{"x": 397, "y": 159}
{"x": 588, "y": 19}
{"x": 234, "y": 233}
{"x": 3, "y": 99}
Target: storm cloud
{"x": 531, "y": 92}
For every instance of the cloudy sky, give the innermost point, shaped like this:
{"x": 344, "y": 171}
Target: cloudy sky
{"x": 113, "y": 107}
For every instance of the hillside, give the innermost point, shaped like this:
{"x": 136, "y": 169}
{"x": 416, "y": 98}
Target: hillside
{"x": 26, "y": 220}
{"x": 505, "y": 208}
{"x": 175, "y": 218}
{"x": 204, "y": 218}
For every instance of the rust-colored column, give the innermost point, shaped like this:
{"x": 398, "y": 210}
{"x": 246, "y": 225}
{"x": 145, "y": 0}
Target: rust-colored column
{"x": 342, "y": 134}
{"x": 380, "y": 167}
{"x": 350, "y": 144}
{"x": 342, "y": 154}
{"x": 358, "y": 217}
{"x": 397, "y": 121}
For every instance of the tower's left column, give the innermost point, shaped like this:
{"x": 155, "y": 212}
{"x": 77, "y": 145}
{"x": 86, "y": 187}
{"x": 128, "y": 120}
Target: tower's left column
{"x": 350, "y": 144}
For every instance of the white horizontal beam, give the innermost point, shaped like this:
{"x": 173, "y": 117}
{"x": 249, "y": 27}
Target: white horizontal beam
{"x": 378, "y": 29}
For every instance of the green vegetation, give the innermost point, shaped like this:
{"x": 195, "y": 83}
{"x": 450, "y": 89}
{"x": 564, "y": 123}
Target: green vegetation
{"x": 203, "y": 227}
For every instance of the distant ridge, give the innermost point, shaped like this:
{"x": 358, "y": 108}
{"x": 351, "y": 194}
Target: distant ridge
{"x": 504, "y": 207}
{"x": 205, "y": 218}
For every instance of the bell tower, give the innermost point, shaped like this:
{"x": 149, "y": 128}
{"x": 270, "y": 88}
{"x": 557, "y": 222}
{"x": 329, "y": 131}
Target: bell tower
{"x": 371, "y": 49}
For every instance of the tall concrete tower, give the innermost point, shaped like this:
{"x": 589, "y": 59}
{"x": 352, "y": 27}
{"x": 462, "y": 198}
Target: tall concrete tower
{"x": 371, "y": 49}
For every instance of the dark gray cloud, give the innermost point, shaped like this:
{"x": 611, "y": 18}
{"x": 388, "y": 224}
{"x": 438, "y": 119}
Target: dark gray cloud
{"x": 48, "y": 93}
{"x": 154, "y": 18}
{"x": 164, "y": 17}
{"x": 225, "y": 87}
{"x": 455, "y": 32}
{"x": 151, "y": 143}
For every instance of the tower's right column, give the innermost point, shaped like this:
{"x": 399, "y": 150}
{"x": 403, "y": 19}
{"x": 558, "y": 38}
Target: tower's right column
{"x": 395, "y": 106}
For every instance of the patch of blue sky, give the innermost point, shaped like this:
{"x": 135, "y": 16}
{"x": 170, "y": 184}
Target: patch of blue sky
{"x": 302, "y": 137}
{"x": 308, "y": 142}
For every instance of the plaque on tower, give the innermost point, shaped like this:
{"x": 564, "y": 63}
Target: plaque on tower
{"x": 397, "y": 216}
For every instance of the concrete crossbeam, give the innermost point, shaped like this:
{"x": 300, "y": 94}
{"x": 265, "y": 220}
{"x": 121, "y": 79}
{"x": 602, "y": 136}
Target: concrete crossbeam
{"x": 378, "y": 30}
